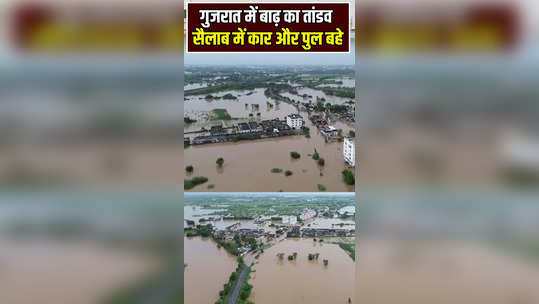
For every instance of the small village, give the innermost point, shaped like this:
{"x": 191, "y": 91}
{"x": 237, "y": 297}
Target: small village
{"x": 271, "y": 229}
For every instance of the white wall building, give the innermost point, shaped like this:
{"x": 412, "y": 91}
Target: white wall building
{"x": 307, "y": 214}
{"x": 289, "y": 219}
{"x": 349, "y": 151}
{"x": 294, "y": 121}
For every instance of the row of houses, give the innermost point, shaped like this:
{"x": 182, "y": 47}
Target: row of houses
{"x": 327, "y": 232}
{"x": 245, "y": 130}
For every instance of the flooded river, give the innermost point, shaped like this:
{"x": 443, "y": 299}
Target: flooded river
{"x": 208, "y": 268}
{"x": 303, "y": 281}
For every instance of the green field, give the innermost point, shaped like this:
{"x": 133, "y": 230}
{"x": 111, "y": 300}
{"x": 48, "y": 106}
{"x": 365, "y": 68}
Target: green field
{"x": 221, "y": 114}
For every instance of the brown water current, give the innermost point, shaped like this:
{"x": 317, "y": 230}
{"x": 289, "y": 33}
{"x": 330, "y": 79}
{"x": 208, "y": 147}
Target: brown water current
{"x": 208, "y": 268}
{"x": 303, "y": 281}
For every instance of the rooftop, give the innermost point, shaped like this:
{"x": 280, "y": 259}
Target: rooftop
{"x": 295, "y": 116}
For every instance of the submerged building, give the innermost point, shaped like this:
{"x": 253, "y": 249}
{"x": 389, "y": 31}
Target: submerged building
{"x": 294, "y": 121}
{"x": 289, "y": 219}
{"x": 306, "y": 214}
{"x": 349, "y": 151}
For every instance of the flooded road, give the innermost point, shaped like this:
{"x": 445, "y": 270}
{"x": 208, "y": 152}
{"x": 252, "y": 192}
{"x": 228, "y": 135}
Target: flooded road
{"x": 303, "y": 281}
{"x": 208, "y": 268}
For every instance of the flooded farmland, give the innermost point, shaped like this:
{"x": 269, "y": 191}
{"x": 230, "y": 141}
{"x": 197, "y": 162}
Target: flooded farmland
{"x": 248, "y": 165}
{"x": 303, "y": 281}
{"x": 208, "y": 268}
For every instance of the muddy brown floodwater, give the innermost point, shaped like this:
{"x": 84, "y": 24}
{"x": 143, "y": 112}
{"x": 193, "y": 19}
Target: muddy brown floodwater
{"x": 303, "y": 281}
{"x": 208, "y": 269}
{"x": 248, "y": 165}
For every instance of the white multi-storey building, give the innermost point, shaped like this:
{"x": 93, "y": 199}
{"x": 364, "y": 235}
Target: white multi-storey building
{"x": 307, "y": 214}
{"x": 289, "y": 219}
{"x": 349, "y": 151}
{"x": 294, "y": 121}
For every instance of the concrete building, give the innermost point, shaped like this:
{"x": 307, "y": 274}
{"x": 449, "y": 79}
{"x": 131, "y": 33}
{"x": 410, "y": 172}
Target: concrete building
{"x": 307, "y": 214}
{"x": 243, "y": 128}
{"x": 349, "y": 151}
{"x": 294, "y": 121}
{"x": 289, "y": 220}
{"x": 330, "y": 132}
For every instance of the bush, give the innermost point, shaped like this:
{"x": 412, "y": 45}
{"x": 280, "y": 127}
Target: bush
{"x": 276, "y": 170}
{"x": 348, "y": 177}
{"x": 189, "y": 169}
{"x": 316, "y": 156}
{"x": 321, "y": 187}
{"x": 321, "y": 162}
{"x": 188, "y": 120}
{"x": 295, "y": 155}
{"x": 288, "y": 173}
{"x": 220, "y": 161}
{"x": 191, "y": 183}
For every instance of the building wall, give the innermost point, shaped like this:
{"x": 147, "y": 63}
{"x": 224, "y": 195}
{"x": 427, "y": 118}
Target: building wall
{"x": 349, "y": 151}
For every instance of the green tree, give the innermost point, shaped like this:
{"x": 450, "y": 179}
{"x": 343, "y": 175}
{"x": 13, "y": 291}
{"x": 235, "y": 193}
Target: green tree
{"x": 220, "y": 161}
{"x": 316, "y": 156}
{"x": 295, "y": 155}
{"x": 348, "y": 177}
{"x": 189, "y": 169}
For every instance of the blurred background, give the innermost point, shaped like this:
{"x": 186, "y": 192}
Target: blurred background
{"x": 90, "y": 158}
{"x": 449, "y": 151}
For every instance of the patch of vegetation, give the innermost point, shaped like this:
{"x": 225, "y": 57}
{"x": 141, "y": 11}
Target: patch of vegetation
{"x": 348, "y": 177}
{"x": 295, "y": 155}
{"x": 211, "y": 186}
{"x": 339, "y": 91}
{"x": 220, "y": 161}
{"x": 321, "y": 162}
{"x": 321, "y": 188}
{"x": 351, "y": 133}
{"x": 189, "y": 169}
{"x": 288, "y": 173}
{"x": 316, "y": 156}
{"x": 221, "y": 114}
{"x": 276, "y": 170}
{"x": 349, "y": 248}
{"x": 195, "y": 181}
{"x": 230, "y": 97}
{"x": 188, "y": 120}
